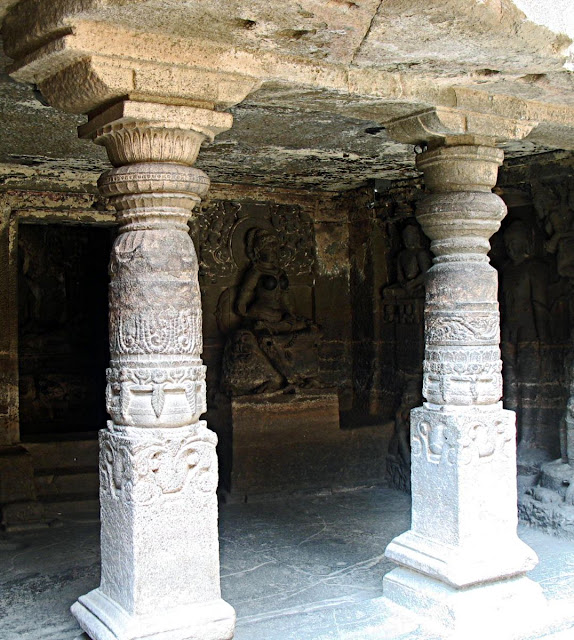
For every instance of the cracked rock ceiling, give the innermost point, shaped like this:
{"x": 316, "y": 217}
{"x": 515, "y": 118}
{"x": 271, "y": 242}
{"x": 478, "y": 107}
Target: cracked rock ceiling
{"x": 295, "y": 134}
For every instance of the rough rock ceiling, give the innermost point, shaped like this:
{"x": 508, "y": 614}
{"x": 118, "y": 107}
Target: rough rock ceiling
{"x": 284, "y": 135}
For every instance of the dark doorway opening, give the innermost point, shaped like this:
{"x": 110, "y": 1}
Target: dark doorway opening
{"x": 62, "y": 329}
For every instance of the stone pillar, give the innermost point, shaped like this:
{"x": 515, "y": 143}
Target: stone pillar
{"x": 158, "y": 466}
{"x": 462, "y": 564}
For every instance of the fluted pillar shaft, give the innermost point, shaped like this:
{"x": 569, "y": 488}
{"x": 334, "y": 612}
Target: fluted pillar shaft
{"x": 158, "y": 466}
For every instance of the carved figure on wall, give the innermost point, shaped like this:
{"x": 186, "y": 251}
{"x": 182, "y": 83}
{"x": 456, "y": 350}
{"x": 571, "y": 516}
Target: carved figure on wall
{"x": 526, "y": 311}
{"x": 412, "y": 264}
{"x": 525, "y": 280}
{"x": 554, "y": 204}
{"x": 272, "y": 348}
{"x": 549, "y": 499}
{"x": 413, "y": 261}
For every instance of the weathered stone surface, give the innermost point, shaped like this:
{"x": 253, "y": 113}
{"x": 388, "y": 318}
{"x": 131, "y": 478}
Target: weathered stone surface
{"x": 322, "y": 59}
{"x": 287, "y": 443}
{"x": 157, "y": 486}
{"x": 463, "y": 530}
{"x": 19, "y": 508}
{"x": 9, "y": 425}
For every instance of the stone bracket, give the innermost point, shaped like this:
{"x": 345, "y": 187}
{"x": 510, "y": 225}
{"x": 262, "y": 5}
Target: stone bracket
{"x": 207, "y": 122}
{"x": 443, "y": 125}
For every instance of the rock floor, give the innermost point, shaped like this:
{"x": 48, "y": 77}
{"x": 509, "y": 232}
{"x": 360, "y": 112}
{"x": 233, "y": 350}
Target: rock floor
{"x": 296, "y": 568}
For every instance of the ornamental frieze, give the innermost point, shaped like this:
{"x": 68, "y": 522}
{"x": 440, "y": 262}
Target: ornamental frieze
{"x": 144, "y": 471}
{"x": 473, "y": 328}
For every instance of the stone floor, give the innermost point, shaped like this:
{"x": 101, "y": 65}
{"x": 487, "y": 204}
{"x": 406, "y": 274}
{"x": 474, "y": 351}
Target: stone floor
{"x": 305, "y": 568}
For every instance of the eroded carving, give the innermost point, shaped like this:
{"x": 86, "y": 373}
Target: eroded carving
{"x": 168, "y": 330}
{"x": 399, "y": 456}
{"x": 403, "y": 301}
{"x": 222, "y": 233}
{"x": 144, "y": 469}
{"x": 470, "y": 328}
{"x": 272, "y": 346}
{"x": 126, "y": 382}
{"x": 472, "y": 440}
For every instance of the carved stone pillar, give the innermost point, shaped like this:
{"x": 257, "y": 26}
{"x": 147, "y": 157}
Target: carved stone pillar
{"x": 462, "y": 563}
{"x": 158, "y": 466}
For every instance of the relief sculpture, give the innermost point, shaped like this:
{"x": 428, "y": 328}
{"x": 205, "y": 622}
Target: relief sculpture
{"x": 404, "y": 300}
{"x": 145, "y": 471}
{"x": 403, "y": 307}
{"x": 272, "y": 347}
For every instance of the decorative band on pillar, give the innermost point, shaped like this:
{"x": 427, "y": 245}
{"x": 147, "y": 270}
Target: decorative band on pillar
{"x": 158, "y": 464}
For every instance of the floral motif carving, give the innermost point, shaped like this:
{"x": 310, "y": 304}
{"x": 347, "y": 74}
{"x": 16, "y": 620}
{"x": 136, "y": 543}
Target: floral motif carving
{"x": 295, "y": 231}
{"x": 222, "y": 227}
{"x": 142, "y": 470}
{"x": 167, "y": 330}
{"x": 430, "y": 436}
{"x": 463, "y": 369}
{"x": 124, "y": 381}
{"x": 481, "y": 441}
{"x": 216, "y": 231}
{"x": 443, "y": 438}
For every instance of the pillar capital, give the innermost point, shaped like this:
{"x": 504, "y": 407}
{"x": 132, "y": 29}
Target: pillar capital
{"x": 150, "y": 132}
{"x": 440, "y": 126}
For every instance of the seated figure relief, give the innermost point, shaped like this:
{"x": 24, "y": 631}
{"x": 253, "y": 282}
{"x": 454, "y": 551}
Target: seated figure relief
{"x": 269, "y": 347}
{"x": 404, "y": 299}
{"x": 413, "y": 262}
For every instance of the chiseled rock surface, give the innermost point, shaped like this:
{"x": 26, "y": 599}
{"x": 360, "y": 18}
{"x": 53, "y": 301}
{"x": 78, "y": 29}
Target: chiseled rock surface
{"x": 309, "y": 85}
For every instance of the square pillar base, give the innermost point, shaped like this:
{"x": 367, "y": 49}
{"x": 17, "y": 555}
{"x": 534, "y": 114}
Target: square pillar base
{"x": 512, "y": 609}
{"x": 103, "y": 619}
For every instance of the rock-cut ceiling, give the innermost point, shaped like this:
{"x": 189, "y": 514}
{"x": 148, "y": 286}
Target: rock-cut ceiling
{"x": 295, "y": 130}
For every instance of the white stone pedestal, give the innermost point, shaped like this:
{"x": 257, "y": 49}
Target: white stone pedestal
{"x": 160, "y": 557}
{"x": 503, "y": 610}
{"x": 103, "y": 619}
{"x": 464, "y": 513}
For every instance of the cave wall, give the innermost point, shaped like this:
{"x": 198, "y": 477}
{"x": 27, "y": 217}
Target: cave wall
{"x": 314, "y": 253}
{"x": 57, "y": 259}
{"x": 387, "y": 341}
{"x": 62, "y": 329}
